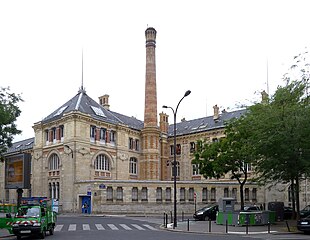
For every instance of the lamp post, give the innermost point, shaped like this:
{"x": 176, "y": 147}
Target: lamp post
{"x": 175, "y": 158}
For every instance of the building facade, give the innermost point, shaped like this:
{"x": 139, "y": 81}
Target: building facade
{"x": 84, "y": 153}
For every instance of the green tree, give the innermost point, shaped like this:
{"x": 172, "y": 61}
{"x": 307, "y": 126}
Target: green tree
{"x": 9, "y": 111}
{"x": 230, "y": 155}
{"x": 281, "y": 137}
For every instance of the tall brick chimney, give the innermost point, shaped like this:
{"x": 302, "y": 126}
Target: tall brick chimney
{"x": 150, "y": 107}
{"x": 150, "y": 162}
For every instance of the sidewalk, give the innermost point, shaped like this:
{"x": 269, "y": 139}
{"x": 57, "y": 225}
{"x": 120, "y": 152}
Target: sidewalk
{"x": 5, "y": 234}
{"x": 211, "y": 227}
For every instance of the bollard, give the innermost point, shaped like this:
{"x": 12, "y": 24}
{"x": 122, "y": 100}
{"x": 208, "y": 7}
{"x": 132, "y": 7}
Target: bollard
{"x": 209, "y": 225}
{"x": 171, "y": 217}
{"x": 187, "y": 224}
{"x": 268, "y": 227}
{"x": 247, "y": 228}
{"x": 166, "y": 220}
{"x": 226, "y": 223}
{"x": 182, "y": 216}
{"x": 288, "y": 227}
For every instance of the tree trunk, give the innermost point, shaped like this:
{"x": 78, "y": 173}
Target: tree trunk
{"x": 297, "y": 198}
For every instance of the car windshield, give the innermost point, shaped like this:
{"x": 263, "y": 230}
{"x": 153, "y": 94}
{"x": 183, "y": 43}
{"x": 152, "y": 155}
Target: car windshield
{"x": 206, "y": 208}
{"x": 307, "y": 208}
{"x": 246, "y": 208}
{"x": 28, "y": 212}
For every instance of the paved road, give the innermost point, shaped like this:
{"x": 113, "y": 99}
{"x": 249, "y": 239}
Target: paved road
{"x": 122, "y": 227}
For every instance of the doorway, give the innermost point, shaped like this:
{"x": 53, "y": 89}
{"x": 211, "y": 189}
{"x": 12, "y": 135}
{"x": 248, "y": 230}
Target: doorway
{"x": 86, "y": 204}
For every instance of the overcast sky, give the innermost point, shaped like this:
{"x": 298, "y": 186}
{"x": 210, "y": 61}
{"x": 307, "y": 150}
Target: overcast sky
{"x": 217, "y": 49}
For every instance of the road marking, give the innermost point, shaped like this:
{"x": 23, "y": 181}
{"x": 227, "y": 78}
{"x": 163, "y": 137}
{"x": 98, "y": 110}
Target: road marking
{"x": 72, "y": 227}
{"x": 149, "y": 227}
{"x": 112, "y": 226}
{"x": 99, "y": 227}
{"x": 137, "y": 226}
{"x": 86, "y": 227}
{"x": 58, "y": 228}
{"x": 125, "y": 227}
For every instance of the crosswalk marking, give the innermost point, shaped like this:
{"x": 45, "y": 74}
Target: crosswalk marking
{"x": 72, "y": 227}
{"x": 149, "y": 227}
{"x": 112, "y": 226}
{"x": 125, "y": 227}
{"x": 58, "y": 228}
{"x": 137, "y": 227}
{"x": 99, "y": 226}
{"x": 86, "y": 227}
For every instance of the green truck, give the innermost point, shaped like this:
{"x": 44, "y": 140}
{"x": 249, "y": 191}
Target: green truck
{"x": 34, "y": 217}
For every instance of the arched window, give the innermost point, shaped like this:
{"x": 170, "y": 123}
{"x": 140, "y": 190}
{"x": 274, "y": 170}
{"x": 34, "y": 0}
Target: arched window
{"x": 53, "y": 163}
{"x": 102, "y": 163}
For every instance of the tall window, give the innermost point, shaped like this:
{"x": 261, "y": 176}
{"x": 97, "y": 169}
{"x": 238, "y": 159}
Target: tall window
{"x": 254, "y": 194}
{"x": 112, "y": 136}
{"x": 177, "y": 170}
{"x": 246, "y": 194}
{"x": 46, "y": 135}
{"x": 234, "y": 193}
{"x": 53, "y": 189}
{"x": 205, "y": 194}
{"x": 191, "y": 193}
{"x": 195, "y": 169}
{"x": 61, "y": 132}
{"x": 168, "y": 194}
{"x": 182, "y": 194}
{"x": 109, "y": 194}
{"x": 159, "y": 194}
{"x": 119, "y": 194}
{"x": 171, "y": 150}
{"x": 92, "y": 132}
{"x": 103, "y": 134}
{"x": 192, "y": 147}
{"x": 213, "y": 194}
{"x": 178, "y": 149}
{"x": 134, "y": 194}
{"x": 54, "y": 134}
{"x": 144, "y": 194}
{"x": 226, "y": 192}
{"x": 102, "y": 163}
{"x": 137, "y": 145}
{"x": 130, "y": 143}
{"x": 133, "y": 165}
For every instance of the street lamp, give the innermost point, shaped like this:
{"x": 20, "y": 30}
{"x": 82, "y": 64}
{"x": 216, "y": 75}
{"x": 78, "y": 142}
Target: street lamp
{"x": 175, "y": 157}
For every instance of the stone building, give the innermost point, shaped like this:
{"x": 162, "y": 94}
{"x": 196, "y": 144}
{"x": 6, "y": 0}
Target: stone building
{"x": 85, "y": 153}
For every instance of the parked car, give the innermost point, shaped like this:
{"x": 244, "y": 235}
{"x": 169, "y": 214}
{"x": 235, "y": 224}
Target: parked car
{"x": 288, "y": 212}
{"x": 252, "y": 208}
{"x": 305, "y": 212}
{"x": 303, "y": 224}
{"x": 207, "y": 213}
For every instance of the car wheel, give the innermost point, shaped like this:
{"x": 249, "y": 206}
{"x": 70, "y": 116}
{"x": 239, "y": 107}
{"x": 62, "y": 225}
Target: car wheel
{"x": 206, "y": 218}
{"x": 51, "y": 231}
{"x": 43, "y": 233}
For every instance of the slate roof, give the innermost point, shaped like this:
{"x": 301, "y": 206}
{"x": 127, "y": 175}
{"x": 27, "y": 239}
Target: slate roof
{"x": 83, "y": 103}
{"x": 21, "y": 146}
{"x": 203, "y": 124}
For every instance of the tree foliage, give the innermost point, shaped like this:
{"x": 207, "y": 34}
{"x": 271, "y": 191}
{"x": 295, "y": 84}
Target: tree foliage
{"x": 9, "y": 111}
{"x": 230, "y": 155}
{"x": 272, "y": 135}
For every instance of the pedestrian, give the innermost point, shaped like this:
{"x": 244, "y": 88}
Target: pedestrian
{"x": 83, "y": 208}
